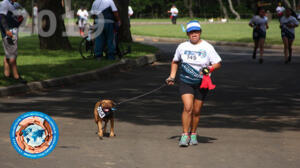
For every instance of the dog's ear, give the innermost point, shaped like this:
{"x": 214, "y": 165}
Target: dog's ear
{"x": 113, "y": 103}
{"x": 100, "y": 102}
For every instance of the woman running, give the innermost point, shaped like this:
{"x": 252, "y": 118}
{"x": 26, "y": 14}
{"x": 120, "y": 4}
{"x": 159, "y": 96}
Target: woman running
{"x": 194, "y": 55}
{"x": 287, "y": 25}
{"x": 259, "y": 23}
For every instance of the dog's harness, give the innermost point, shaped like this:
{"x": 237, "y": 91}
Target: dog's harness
{"x": 103, "y": 114}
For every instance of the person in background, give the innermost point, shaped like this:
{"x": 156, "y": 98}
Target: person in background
{"x": 279, "y": 10}
{"x": 130, "y": 11}
{"x": 35, "y": 19}
{"x": 9, "y": 24}
{"x": 82, "y": 19}
{"x": 174, "y": 14}
{"x": 105, "y": 14}
{"x": 259, "y": 23}
{"x": 287, "y": 26}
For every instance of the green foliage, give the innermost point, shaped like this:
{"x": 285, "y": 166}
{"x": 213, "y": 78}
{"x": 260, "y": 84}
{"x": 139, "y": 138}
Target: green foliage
{"x": 232, "y": 31}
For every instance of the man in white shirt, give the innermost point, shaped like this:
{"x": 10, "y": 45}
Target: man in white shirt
{"x": 174, "y": 14}
{"x": 130, "y": 11}
{"x": 82, "y": 19}
{"x": 105, "y": 12}
{"x": 279, "y": 10}
{"x": 34, "y": 18}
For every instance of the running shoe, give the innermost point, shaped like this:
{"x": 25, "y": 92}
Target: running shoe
{"x": 184, "y": 140}
{"x": 193, "y": 140}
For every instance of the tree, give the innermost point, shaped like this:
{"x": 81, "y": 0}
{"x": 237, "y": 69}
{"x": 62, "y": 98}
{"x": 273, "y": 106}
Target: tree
{"x": 287, "y": 3}
{"x": 223, "y": 8}
{"x": 67, "y": 5}
{"x": 55, "y": 40}
{"x": 294, "y": 5}
{"x": 238, "y": 17}
{"x": 189, "y": 4}
{"x": 124, "y": 34}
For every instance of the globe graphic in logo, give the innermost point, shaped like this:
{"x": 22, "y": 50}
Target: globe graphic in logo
{"x": 34, "y": 135}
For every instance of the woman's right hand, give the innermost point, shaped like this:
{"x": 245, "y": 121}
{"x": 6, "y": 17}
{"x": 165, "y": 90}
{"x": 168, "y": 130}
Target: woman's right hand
{"x": 170, "y": 81}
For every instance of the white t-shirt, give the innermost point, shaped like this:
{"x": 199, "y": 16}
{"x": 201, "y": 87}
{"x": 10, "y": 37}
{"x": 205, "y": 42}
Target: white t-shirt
{"x": 35, "y": 11}
{"x": 100, "y": 5}
{"x": 197, "y": 56}
{"x": 290, "y": 20}
{"x": 130, "y": 11}
{"x": 262, "y": 22}
{"x": 6, "y": 6}
{"x": 174, "y": 11}
{"x": 83, "y": 14}
{"x": 280, "y": 9}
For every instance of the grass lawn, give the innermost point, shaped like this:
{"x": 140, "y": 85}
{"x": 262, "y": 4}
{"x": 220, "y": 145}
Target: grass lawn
{"x": 35, "y": 64}
{"x": 180, "y": 19}
{"x": 231, "y": 31}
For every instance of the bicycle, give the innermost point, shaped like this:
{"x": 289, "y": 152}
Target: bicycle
{"x": 87, "y": 45}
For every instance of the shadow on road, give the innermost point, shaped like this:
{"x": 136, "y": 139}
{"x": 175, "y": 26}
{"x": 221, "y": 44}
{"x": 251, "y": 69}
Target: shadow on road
{"x": 248, "y": 96}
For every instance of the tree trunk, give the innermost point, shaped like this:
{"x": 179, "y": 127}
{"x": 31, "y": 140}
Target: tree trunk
{"x": 223, "y": 8}
{"x": 189, "y": 4}
{"x": 233, "y": 11}
{"x": 294, "y": 5}
{"x": 298, "y": 6}
{"x": 54, "y": 40}
{"x": 68, "y": 8}
{"x": 238, "y": 2}
{"x": 124, "y": 34}
{"x": 287, "y": 3}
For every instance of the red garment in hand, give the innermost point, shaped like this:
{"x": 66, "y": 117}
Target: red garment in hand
{"x": 207, "y": 83}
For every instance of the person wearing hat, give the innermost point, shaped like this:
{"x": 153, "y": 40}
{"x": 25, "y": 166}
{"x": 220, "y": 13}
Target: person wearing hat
{"x": 192, "y": 56}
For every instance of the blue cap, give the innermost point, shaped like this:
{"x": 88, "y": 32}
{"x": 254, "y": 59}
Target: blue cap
{"x": 193, "y": 25}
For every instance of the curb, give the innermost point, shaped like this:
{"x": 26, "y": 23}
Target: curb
{"x": 139, "y": 38}
{"x": 97, "y": 74}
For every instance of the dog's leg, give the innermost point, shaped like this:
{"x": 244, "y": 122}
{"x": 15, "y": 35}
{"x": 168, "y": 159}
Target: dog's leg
{"x": 104, "y": 128}
{"x": 100, "y": 131}
{"x": 112, "y": 133}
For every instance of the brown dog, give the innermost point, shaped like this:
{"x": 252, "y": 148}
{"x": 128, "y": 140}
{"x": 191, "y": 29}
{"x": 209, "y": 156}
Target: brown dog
{"x": 103, "y": 111}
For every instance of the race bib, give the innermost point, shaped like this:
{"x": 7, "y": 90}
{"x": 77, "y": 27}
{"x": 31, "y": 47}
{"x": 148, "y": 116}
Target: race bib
{"x": 101, "y": 112}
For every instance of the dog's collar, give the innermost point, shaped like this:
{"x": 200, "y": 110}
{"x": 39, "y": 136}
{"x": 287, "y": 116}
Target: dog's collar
{"x": 103, "y": 114}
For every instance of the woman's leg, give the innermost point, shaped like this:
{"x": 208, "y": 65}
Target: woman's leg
{"x": 290, "y": 42}
{"x": 261, "y": 49}
{"x": 187, "y": 100}
{"x": 196, "y": 115}
{"x": 6, "y": 67}
{"x": 286, "y": 46}
{"x": 255, "y": 48}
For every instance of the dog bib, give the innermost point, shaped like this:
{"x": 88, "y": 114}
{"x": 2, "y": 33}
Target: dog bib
{"x": 101, "y": 112}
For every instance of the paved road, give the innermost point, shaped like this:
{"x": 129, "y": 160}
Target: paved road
{"x": 252, "y": 119}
